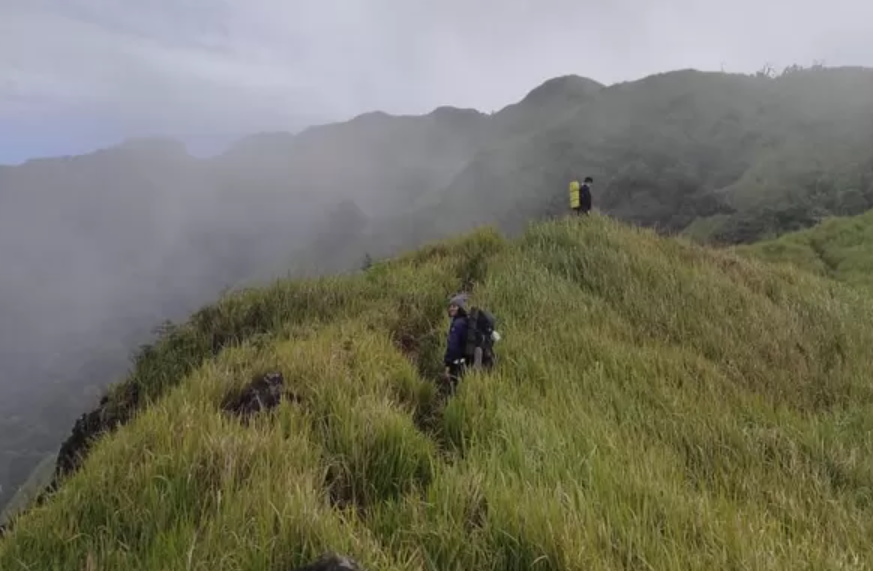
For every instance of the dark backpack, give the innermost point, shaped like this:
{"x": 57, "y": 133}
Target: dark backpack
{"x": 480, "y": 326}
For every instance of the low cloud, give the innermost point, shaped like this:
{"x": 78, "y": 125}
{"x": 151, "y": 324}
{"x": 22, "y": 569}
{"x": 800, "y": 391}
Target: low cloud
{"x": 196, "y": 68}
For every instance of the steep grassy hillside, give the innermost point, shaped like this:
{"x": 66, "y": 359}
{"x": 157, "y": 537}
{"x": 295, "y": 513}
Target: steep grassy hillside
{"x": 29, "y": 493}
{"x": 657, "y": 405}
{"x": 841, "y": 248}
{"x": 726, "y": 157}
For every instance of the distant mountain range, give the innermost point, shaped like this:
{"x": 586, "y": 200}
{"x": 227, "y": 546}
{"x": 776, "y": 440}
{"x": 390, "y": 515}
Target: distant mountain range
{"x": 98, "y": 249}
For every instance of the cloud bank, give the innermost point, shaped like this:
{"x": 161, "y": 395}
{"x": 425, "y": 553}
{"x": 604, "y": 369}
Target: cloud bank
{"x": 79, "y": 73}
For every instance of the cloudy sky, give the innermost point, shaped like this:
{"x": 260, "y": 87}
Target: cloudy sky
{"x": 81, "y": 74}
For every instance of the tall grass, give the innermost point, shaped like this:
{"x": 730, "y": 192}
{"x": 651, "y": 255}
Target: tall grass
{"x": 839, "y": 247}
{"x": 657, "y": 405}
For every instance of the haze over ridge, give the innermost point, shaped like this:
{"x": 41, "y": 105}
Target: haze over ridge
{"x": 76, "y": 75}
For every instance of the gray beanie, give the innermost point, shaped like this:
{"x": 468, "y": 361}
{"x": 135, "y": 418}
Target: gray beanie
{"x": 460, "y": 300}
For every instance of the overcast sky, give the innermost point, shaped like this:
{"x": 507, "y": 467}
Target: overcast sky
{"x": 80, "y": 74}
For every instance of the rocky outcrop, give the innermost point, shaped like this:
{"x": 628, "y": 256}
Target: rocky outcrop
{"x": 109, "y": 414}
{"x": 262, "y": 394}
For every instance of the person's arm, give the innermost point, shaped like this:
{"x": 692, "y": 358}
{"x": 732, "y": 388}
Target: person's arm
{"x": 455, "y": 344}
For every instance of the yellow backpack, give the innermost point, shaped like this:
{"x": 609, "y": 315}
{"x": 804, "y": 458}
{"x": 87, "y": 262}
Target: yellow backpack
{"x": 574, "y": 194}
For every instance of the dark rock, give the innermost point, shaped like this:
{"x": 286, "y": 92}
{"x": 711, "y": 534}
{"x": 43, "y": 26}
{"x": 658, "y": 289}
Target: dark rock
{"x": 262, "y": 394}
{"x": 331, "y": 562}
{"x": 108, "y": 415}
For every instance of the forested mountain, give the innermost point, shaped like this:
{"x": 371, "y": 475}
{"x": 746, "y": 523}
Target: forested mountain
{"x": 725, "y": 158}
{"x": 98, "y": 250}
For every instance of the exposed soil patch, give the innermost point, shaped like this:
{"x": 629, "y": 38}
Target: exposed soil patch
{"x": 340, "y": 491}
{"x": 262, "y": 394}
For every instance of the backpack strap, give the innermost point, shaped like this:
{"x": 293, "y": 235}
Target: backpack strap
{"x": 472, "y": 334}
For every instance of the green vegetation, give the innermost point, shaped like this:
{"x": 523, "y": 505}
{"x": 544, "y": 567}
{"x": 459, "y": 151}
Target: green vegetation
{"x": 728, "y": 158}
{"x": 658, "y": 405}
{"x": 840, "y": 248}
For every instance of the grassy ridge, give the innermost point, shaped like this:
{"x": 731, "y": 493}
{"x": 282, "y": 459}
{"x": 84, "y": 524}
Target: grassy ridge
{"x": 657, "y": 405}
{"x": 841, "y": 248}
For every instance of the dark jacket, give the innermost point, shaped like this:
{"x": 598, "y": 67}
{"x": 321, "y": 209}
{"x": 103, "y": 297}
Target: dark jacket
{"x": 457, "y": 339}
{"x": 585, "y": 197}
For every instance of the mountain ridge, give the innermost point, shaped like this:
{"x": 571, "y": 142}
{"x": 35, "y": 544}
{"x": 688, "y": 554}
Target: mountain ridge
{"x": 127, "y": 239}
{"x": 698, "y": 439}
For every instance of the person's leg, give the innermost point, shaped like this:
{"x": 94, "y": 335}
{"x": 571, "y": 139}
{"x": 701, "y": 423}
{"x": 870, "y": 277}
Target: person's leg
{"x": 453, "y": 378}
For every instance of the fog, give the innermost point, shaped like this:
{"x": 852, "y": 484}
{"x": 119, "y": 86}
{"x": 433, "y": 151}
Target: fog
{"x": 81, "y": 74}
{"x": 97, "y": 250}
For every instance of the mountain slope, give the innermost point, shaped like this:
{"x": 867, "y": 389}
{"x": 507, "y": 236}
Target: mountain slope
{"x": 384, "y": 162}
{"x": 840, "y": 248}
{"x": 727, "y": 158}
{"x": 631, "y": 421}
{"x": 100, "y": 249}
{"x": 97, "y": 251}
{"x": 675, "y": 147}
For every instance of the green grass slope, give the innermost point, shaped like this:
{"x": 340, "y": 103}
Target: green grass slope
{"x": 841, "y": 248}
{"x": 657, "y": 405}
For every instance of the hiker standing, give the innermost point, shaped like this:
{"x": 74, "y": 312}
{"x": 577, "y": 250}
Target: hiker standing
{"x": 585, "y": 196}
{"x": 457, "y": 339}
{"x": 471, "y": 339}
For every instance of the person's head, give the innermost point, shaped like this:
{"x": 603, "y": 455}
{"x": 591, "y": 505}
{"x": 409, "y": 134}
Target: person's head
{"x": 458, "y": 305}
{"x": 589, "y": 180}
